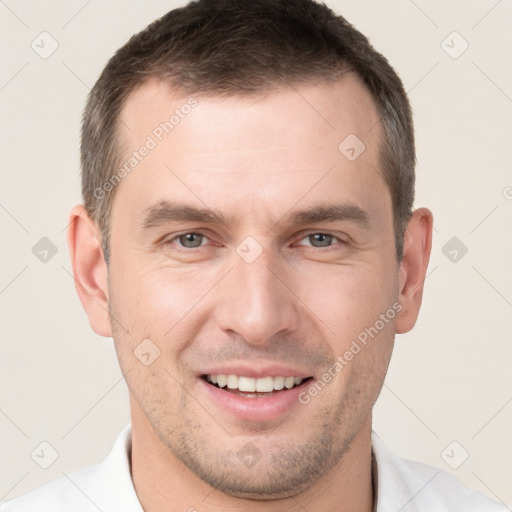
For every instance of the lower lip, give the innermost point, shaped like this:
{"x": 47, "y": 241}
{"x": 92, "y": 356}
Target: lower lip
{"x": 263, "y": 408}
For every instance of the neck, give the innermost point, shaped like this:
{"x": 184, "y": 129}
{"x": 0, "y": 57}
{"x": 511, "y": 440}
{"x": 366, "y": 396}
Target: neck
{"x": 163, "y": 483}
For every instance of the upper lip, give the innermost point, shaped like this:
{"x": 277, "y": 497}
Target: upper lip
{"x": 255, "y": 371}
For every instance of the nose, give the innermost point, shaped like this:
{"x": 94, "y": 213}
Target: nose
{"x": 255, "y": 301}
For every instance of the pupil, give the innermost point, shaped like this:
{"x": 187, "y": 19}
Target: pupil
{"x": 321, "y": 239}
{"x": 189, "y": 241}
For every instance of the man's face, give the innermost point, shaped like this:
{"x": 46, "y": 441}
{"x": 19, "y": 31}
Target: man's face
{"x": 263, "y": 293}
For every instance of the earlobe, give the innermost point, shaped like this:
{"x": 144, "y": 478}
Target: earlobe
{"x": 89, "y": 269}
{"x": 413, "y": 267}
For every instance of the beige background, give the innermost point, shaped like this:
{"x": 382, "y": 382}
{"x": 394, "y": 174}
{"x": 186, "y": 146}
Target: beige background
{"x": 449, "y": 380}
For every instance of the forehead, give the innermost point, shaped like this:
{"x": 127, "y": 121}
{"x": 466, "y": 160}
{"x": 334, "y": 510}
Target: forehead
{"x": 325, "y": 110}
{"x": 299, "y": 143}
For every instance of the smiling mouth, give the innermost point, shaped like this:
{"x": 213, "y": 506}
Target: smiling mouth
{"x": 254, "y": 387}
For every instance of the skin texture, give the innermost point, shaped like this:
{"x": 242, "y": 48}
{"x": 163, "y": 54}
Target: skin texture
{"x": 256, "y": 160}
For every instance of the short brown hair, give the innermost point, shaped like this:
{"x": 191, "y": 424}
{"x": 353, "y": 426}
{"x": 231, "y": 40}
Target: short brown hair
{"x": 240, "y": 47}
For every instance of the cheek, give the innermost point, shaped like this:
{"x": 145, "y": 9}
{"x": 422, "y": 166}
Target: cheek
{"x": 154, "y": 310}
{"x": 164, "y": 305}
{"x": 348, "y": 301}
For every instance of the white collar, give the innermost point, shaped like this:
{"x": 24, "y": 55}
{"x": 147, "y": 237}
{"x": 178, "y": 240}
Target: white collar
{"x": 400, "y": 485}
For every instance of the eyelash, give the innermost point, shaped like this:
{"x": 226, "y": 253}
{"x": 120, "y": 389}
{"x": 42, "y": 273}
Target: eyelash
{"x": 189, "y": 249}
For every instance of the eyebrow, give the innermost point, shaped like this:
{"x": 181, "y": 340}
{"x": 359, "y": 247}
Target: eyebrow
{"x": 330, "y": 213}
{"x": 168, "y": 211}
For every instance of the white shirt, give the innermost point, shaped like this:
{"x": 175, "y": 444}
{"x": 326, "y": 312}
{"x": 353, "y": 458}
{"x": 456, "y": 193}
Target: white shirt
{"x": 402, "y": 486}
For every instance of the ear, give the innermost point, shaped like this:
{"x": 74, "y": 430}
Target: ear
{"x": 89, "y": 269}
{"x": 413, "y": 267}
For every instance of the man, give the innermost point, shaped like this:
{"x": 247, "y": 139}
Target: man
{"x": 247, "y": 239}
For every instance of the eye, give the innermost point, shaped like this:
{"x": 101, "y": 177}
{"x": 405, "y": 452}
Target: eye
{"x": 320, "y": 240}
{"x": 189, "y": 240}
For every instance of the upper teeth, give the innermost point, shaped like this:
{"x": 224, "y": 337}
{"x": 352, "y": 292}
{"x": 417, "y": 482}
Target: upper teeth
{"x": 249, "y": 384}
